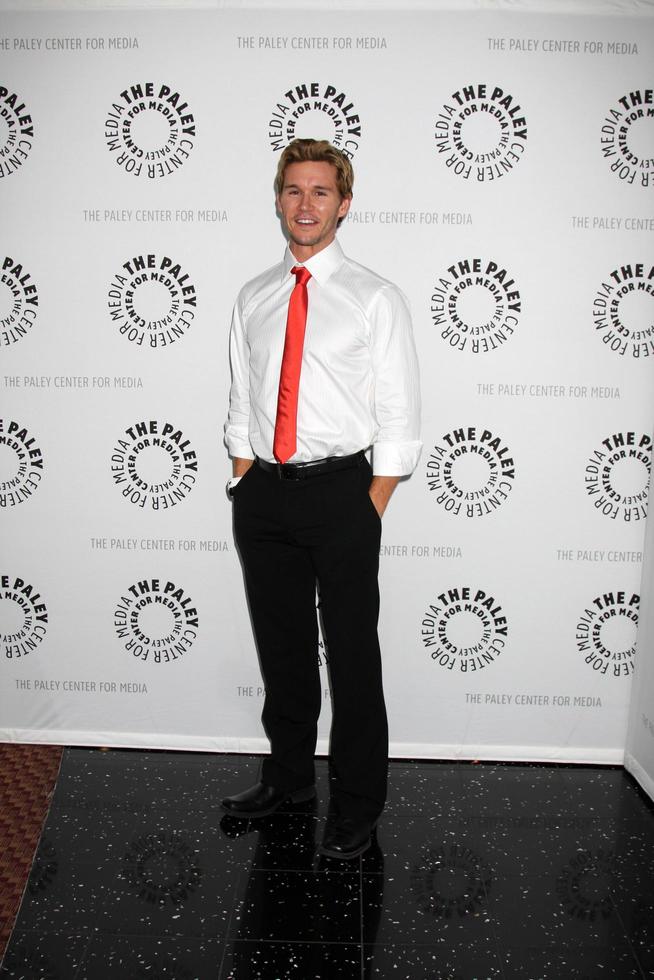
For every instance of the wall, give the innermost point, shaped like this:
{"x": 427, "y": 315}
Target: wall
{"x": 639, "y": 751}
{"x": 504, "y": 165}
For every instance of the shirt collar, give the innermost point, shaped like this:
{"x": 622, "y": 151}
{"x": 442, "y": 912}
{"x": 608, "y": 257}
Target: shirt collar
{"x": 321, "y": 265}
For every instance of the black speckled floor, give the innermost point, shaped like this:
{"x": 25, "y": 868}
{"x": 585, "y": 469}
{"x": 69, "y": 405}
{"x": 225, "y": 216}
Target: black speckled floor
{"x": 520, "y": 872}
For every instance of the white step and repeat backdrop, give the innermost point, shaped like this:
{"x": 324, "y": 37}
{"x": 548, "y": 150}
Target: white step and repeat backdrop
{"x": 504, "y": 179}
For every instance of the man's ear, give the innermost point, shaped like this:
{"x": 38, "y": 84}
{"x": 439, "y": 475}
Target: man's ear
{"x": 344, "y": 206}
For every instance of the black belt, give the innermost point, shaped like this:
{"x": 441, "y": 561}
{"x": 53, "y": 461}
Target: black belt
{"x": 302, "y": 471}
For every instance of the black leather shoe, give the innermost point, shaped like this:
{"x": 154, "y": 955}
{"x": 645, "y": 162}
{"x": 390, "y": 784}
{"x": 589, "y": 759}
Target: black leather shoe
{"x": 346, "y": 837}
{"x": 261, "y": 800}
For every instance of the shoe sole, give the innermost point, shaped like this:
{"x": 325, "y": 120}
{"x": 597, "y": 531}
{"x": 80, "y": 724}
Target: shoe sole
{"x": 299, "y": 796}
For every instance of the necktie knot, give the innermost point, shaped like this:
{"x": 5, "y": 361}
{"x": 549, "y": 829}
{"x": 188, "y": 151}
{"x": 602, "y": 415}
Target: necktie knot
{"x": 302, "y": 274}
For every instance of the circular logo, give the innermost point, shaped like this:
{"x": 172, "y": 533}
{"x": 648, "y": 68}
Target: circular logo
{"x": 16, "y": 132}
{"x": 152, "y": 301}
{"x": 317, "y": 110}
{"x": 470, "y": 471}
{"x": 623, "y": 311}
{"x": 464, "y": 629}
{"x": 161, "y": 869}
{"x": 154, "y": 465}
{"x": 23, "y": 618}
{"x": 21, "y": 463}
{"x": 19, "y": 301}
{"x": 627, "y": 138}
{"x": 585, "y": 884}
{"x": 150, "y": 129}
{"x": 156, "y": 621}
{"x": 449, "y": 881}
{"x": 606, "y": 633}
{"x": 617, "y": 476}
{"x": 476, "y": 305}
{"x": 482, "y": 132}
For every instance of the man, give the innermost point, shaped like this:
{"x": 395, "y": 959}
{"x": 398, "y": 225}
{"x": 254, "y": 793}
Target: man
{"x": 323, "y": 367}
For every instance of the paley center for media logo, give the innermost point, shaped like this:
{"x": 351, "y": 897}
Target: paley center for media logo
{"x": 476, "y": 305}
{"x": 481, "y": 133}
{"x": 156, "y": 621}
{"x": 152, "y": 300}
{"x": 450, "y": 881}
{"x": 319, "y": 110}
{"x": 162, "y": 869}
{"x": 19, "y": 301}
{"x": 154, "y": 465}
{"x": 16, "y": 131}
{"x": 623, "y": 310}
{"x": 21, "y": 463}
{"x": 151, "y": 130}
{"x": 627, "y": 138}
{"x": 470, "y": 471}
{"x": 617, "y": 476}
{"x": 584, "y": 885}
{"x": 464, "y": 629}
{"x": 23, "y": 617}
{"x": 606, "y": 633}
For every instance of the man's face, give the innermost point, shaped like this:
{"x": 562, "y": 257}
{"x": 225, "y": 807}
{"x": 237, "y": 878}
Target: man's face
{"x": 311, "y": 205}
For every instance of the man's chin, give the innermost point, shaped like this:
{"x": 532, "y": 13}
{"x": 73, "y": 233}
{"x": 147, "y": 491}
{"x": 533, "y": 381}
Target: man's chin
{"x": 306, "y": 235}
{"x": 306, "y": 238}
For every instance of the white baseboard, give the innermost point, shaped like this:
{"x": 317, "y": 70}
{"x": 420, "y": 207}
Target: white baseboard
{"x": 398, "y": 750}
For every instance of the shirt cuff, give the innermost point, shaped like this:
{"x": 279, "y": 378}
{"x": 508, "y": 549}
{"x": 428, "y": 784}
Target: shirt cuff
{"x": 232, "y": 483}
{"x": 238, "y": 447}
{"x": 395, "y": 458}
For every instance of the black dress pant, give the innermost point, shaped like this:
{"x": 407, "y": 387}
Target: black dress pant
{"x": 290, "y": 535}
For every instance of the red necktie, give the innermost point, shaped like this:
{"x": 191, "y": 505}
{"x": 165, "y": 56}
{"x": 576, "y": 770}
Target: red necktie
{"x": 285, "y": 442}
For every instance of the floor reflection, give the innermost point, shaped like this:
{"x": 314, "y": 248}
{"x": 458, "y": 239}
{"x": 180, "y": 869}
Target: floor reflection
{"x": 475, "y": 872}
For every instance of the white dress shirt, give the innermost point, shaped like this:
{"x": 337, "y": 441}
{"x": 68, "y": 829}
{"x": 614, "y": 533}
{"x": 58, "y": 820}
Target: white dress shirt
{"x": 359, "y": 383}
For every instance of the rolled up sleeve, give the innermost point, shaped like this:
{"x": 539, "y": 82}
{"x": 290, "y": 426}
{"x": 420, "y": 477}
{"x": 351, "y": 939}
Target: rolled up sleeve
{"x": 237, "y": 426}
{"x": 396, "y": 403}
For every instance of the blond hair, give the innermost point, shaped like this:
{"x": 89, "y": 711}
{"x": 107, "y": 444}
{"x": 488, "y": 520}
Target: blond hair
{"x": 316, "y": 151}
